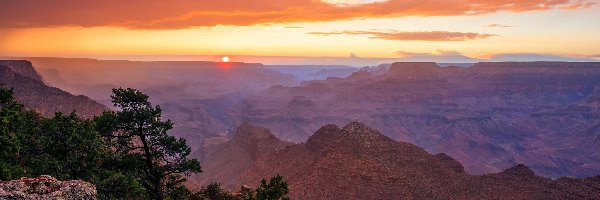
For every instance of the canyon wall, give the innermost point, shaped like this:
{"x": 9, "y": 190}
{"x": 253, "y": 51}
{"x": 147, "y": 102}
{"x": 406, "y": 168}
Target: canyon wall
{"x": 489, "y": 116}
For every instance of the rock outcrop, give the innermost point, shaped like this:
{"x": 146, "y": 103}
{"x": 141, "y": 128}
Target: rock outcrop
{"x": 490, "y": 116}
{"x": 46, "y": 188}
{"x": 22, "y": 67}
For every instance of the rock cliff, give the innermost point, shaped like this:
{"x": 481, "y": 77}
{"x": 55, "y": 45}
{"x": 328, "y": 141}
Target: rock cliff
{"x": 31, "y": 90}
{"x": 23, "y": 67}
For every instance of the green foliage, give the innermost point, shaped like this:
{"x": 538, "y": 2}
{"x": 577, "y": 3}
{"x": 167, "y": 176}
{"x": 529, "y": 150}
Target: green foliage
{"x": 275, "y": 189}
{"x": 213, "y": 191}
{"x": 137, "y": 130}
{"x": 123, "y": 153}
{"x": 176, "y": 190}
{"x": 70, "y": 147}
{"x": 116, "y": 184}
{"x": 19, "y": 129}
{"x": 127, "y": 154}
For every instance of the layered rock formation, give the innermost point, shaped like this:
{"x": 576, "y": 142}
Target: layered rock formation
{"x": 30, "y": 89}
{"x": 224, "y": 159}
{"x": 46, "y": 187}
{"x": 22, "y": 67}
{"x": 357, "y": 162}
{"x": 489, "y": 116}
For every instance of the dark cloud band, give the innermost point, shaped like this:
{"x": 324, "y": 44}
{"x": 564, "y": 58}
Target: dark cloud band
{"x": 177, "y": 14}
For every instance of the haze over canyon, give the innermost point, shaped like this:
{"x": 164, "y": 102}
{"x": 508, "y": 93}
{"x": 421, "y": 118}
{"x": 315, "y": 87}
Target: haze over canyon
{"x": 300, "y": 99}
{"x": 489, "y": 116}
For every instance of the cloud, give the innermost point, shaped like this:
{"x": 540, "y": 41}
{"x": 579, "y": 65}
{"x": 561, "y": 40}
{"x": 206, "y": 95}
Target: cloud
{"x": 448, "y": 52}
{"x": 438, "y": 52}
{"x": 451, "y": 56}
{"x": 177, "y": 14}
{"x": 442, "y": 56}
{"x": 351, "y": 2}
{"x": 404, "y": 54}
{"x": 525, "y": 57}
{"x": 422, "y": 36}
{"x": 498, "y": 26}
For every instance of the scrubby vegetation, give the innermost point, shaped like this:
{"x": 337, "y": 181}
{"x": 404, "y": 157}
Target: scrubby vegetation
{"x": 275, "y": 189}
{"x": 127, "y": 154}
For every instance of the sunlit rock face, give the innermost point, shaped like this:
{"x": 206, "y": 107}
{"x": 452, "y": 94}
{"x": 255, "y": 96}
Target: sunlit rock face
{"x": 489, "y": 116}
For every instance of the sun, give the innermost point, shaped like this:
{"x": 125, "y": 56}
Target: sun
{"x": 225, "y": 59}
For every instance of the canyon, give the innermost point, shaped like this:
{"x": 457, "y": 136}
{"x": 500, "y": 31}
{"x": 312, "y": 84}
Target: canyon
{"x": 488, "y": 116}
{"x": 194, "y": 95}
{"x": 358, "y": 162}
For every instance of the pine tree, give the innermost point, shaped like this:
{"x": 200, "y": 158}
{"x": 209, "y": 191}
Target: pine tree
{"x": 137, "y": 130}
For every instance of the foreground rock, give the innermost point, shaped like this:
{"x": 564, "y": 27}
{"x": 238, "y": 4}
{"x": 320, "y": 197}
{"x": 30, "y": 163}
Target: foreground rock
{"x": 46, "y": 187}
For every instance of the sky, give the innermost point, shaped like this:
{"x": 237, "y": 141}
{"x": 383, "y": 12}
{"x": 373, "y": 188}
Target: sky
{"x": 303, "y": 31}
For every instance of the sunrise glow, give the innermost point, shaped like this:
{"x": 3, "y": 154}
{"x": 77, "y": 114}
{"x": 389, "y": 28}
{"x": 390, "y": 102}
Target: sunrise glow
{"x": 302, "y": 28}
{"x": 225, "y": 59}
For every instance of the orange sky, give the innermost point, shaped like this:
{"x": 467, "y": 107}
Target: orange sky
{"x": 306, "y": 28}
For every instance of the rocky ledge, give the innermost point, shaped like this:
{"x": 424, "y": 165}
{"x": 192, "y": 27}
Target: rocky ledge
{"x": 46, "y": 187}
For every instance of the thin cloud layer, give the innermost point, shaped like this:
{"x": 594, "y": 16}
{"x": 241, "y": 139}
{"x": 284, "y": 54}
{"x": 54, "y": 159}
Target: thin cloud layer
{"x": 541, "y": 57}
{"x": 439, "y": 52}
{"x": 420, "y": 36}
{"x": 498, "y": 26}
{"x": 177, "y": 14}
{"x": 443, "y": 56}
{"x": 452, "y": 56}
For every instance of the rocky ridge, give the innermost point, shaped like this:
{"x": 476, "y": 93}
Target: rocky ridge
{"x": 358, "y": 162}
{"x": 226, "y": 158}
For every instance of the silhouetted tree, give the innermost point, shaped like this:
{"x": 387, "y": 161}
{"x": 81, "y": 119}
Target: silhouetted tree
{"x": 138, "y": 131}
